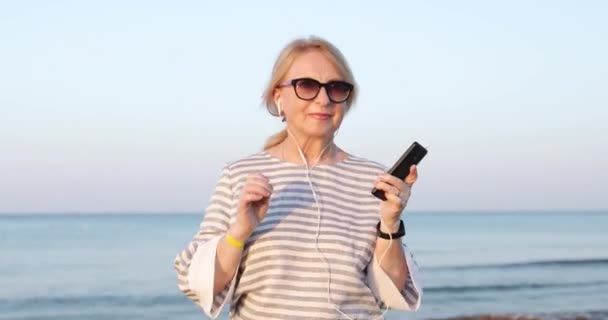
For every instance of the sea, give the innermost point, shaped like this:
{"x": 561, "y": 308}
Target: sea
{"x": 485, "y": 265}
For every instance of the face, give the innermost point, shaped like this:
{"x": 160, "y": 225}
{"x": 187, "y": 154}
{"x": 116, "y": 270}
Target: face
{"x": 318, "y": 117}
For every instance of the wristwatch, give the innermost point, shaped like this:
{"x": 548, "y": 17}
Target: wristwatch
{"x": 400, "y": 233}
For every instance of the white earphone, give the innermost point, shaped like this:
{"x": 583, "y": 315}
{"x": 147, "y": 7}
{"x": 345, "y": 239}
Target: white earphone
{"x": 318, "y": 204}
{"x": 279, "y": 107}
{"x": 280, "y": 110}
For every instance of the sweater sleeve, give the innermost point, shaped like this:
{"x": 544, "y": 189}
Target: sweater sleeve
{"x": 407, "y": 298}
{"x": 195, "y": 265}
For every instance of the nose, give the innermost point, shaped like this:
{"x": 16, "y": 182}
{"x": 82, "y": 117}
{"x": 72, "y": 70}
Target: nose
{"x": 322, "y": 98}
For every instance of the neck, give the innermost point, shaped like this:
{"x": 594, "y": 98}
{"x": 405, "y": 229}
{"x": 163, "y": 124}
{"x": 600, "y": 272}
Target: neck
{"x": 314, "y": 150}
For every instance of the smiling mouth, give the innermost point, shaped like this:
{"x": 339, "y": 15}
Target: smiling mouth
{"x": 320, "y": 116}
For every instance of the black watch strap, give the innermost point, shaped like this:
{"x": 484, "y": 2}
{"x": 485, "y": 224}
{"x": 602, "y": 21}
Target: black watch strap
{"x": 399, "y": 234}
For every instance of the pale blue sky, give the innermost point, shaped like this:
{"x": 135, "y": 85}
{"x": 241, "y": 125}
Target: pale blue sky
{"x": 112, "y": 106}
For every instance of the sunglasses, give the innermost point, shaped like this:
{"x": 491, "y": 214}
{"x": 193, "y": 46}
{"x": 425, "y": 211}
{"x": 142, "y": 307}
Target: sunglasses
{"x": 308, "y": 89}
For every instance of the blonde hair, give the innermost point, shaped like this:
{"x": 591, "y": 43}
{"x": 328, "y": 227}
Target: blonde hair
{"x": 288, "y": 55}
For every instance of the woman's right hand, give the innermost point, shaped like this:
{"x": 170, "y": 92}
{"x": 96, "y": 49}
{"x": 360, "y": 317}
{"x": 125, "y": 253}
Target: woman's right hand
{"x": 252, "y": 206}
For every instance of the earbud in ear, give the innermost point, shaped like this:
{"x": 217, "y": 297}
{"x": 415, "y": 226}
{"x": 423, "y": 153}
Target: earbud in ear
{"x": 280, "y": 110}
{"x": 279, "y": 107}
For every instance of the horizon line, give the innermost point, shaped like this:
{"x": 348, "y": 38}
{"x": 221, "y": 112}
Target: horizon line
{"x": 419, "y": 211}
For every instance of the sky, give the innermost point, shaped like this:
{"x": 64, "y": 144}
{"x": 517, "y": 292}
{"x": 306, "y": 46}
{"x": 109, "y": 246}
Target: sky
{"x": 135, "y": 106}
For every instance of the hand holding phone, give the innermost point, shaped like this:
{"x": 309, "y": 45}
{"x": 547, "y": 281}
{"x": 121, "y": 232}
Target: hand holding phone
{"x": 401, "y": 168}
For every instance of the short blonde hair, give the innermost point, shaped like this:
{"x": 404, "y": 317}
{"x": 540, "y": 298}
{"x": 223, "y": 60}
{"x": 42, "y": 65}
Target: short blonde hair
{"x": 288, "y": 55}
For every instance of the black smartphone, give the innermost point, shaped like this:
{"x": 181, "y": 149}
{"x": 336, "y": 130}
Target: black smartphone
{"x": 401, "y": 168}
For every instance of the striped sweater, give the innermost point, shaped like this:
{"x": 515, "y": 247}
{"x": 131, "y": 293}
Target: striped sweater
{"x": 281, "y": 274}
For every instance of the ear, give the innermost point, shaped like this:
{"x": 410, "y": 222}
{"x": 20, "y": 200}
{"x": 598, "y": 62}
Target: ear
{"x": 279, "y": 107}
{"x": 277, "y": 100}
{"x": 278, "y": 103}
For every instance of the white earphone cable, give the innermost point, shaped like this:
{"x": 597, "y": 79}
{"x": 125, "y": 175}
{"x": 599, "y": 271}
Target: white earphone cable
{"x": 321, "y": 255}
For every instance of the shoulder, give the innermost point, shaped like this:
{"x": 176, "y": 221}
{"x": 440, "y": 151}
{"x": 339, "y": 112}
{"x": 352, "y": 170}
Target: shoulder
{"x": 260, "y": 161}
{"x": 251, "y": 159}
{"x": 361, "y": 163}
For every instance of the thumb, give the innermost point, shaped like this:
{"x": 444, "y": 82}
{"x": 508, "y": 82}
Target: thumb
{"x": 412, "y": 176}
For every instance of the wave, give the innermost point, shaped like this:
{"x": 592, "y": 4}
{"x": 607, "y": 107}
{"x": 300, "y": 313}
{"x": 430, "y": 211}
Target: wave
{"x": 510, "y": 287}
{"x": 581, "y": 315}
{"x": 93, "y": 300}
{"x": 527, "y": 264}
{"x": 178, "y": 299}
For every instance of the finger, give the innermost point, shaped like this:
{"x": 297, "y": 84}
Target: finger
{"x": 390, "y": 179}
{"x": 397, "y": 201}
{"x": 252, "y": 197}
{"x": 257, "y": 189}
{"x": 412, "y": 176}
{"x": 262, "y": 179}
{"x": 394, "y": 181}
{"x": 404, "y": 194}
{"x": 259, "y": 184}
{"x": 387, "y": 188}
{"x": 258, "y": 176}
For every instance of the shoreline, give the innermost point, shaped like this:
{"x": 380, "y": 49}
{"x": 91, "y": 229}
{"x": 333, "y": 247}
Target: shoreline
{"x": 570, "y": 315}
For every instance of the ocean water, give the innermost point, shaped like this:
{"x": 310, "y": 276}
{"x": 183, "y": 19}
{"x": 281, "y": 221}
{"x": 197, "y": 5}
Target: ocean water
{"x": 551, "y": 265}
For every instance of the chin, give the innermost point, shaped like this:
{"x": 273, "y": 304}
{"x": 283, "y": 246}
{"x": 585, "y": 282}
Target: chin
{"x": 318, "y": 131}
{"x": 321, "y": 133}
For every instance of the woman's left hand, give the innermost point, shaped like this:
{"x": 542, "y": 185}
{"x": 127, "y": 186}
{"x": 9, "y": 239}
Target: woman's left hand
{"x": 397, "y": 194}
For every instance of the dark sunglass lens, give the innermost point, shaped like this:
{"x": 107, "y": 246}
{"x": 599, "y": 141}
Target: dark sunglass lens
{"x": 307, "y": 88}
{"x": 339, "y": 91}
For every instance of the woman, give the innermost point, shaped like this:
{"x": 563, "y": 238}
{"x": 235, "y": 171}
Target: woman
{"x": 293, "y": 232}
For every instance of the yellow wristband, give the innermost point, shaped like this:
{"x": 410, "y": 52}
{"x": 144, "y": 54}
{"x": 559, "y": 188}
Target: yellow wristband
{"x": 233, "y": 242}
